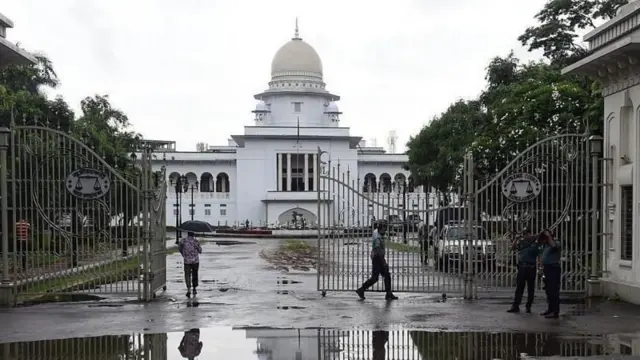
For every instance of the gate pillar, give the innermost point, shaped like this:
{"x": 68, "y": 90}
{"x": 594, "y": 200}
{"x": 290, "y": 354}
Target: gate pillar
{"x": 469, "y": 197}
{"x": 6, "y": 285}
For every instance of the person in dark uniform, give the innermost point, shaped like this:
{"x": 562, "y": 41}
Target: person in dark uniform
{"x": 379, "y": 342}
{"x": 528, "y": 251}
{"x": 551, "y": 257}
{"x": 378, "y": 262}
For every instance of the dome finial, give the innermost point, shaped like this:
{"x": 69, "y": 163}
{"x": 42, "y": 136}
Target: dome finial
{"x": 296, "y": 35}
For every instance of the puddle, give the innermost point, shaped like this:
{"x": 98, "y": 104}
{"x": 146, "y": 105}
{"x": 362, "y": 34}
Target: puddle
{"x": 328, "y": 344}
{"x": 290, "y": 307}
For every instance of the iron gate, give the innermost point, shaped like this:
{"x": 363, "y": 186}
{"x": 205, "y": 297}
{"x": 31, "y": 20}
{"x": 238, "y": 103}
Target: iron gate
{"x": 459, "y": 242}
{"x": 73, "y": 223}
{"x": 551, "y": 185}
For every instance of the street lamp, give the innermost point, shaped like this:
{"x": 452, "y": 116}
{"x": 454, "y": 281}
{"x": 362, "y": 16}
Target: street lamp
{"x": 595, "y": 145}
{"x": 401, "y": 188}
{"x": 179, "y": 184}
{"x": 193, "y": 187}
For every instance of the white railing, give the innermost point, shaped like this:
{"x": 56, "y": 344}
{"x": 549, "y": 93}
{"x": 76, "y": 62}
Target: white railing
{"x": 202, "y": 195}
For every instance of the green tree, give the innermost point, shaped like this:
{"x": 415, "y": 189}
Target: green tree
{"x": 23, "y": 99}
{"x": 559, "y": 22}
{"x": 44, "y": 158}
{"x": 437, "y": 151}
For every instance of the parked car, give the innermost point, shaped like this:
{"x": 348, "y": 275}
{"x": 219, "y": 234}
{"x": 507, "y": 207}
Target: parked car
{"x": 453, "y": 246}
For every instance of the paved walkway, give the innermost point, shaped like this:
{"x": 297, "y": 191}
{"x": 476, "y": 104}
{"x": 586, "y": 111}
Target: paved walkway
{"x": 238, "y": 288}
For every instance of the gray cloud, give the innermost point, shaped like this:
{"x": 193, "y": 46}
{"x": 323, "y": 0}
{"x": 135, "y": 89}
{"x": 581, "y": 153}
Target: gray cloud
{"x": 188, "y": 70}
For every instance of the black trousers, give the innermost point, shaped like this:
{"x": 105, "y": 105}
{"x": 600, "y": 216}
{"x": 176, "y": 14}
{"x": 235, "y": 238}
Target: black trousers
{"x": 526, "y": 276}
{"x": 552, "y": 275}
{"x": 191, "y": 275}
{"x": 380, "y": 267}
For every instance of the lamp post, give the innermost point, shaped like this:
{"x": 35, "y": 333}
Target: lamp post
{"x": 401, "y": 188}
{"x": 180, "y": 185}
{"x": 192, "y": 206}
{"x": 595, "y": 145}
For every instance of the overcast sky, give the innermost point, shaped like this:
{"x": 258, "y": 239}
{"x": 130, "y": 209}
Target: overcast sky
{"x": 187, "y": 70}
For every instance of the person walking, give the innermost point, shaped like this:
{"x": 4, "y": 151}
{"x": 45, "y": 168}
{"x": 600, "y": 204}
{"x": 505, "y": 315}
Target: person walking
{"x": 190, "y": 347}
{"x": 190, "y": 249}
{"x": 378, "y": 262}
{"x": 551, "y": 256}
{"x": 528, "y": 251}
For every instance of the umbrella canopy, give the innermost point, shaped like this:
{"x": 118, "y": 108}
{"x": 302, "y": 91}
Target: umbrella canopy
{"x": 196, "y": 226}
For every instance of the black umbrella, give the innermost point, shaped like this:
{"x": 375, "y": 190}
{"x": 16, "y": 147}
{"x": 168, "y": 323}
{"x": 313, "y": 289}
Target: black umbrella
{"x": 196, "y": 226}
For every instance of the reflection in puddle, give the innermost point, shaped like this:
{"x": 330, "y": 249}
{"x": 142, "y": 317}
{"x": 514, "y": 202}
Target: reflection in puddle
{"x": 324, "y": 344}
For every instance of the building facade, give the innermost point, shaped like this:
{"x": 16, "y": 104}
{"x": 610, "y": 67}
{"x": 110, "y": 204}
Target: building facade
{"x": 615, "y": 62}
{"x": 10, "y": 54}
{"x": 270, "y": 172}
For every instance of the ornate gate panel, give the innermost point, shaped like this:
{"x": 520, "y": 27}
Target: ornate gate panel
{"x": 74, "y": 223}
{"x": 156, "y": 242}
{"x": 548, "y": 186}
{"x": 347, "y": 207}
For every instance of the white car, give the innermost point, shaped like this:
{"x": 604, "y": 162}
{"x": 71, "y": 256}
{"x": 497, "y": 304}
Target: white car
{"x": 453, "y": 246}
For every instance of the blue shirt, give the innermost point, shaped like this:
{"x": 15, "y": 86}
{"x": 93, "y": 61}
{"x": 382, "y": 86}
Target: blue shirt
{"x": 551, "y": 254}
{"x": 528, "y": 250}
{"x": 378, "y": 243}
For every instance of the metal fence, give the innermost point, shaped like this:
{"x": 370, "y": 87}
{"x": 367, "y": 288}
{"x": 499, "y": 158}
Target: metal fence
{"x": 459, "y": 242}
{"x": 72, "y": 223}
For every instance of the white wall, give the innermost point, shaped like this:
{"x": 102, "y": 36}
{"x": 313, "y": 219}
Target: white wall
{"x": 622, "y": 111}
{"x": 213, "y": 201}
{"x": 257, "y": 172}
{"x": 282, "y": 111}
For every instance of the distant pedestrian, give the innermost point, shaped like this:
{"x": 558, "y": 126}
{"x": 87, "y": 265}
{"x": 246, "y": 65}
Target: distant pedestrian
{"x": 379, "y": 263}
{"x": 190, "y": 346}
{"x": 190, "y": 249}
{"x": 551, "y": 256}
{"x": 528, "y": 251}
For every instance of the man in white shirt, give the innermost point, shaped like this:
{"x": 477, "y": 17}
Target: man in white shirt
{"x": 378, "y": 262}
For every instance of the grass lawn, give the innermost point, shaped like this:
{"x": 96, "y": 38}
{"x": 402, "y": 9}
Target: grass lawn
{"x": 87, "y": 279}
{"x": 402, "y": 247}
{"x": 296, "y": 246}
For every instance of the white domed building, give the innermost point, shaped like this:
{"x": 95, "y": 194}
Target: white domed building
{"x": 248, "y": 179}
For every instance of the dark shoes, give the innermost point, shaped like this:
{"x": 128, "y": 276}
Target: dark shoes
{"x": 516, "y": 309}
{"x": 550, "y": 315}
{"x": 195, "y": 292}
{"x": 390, "y": 296}
{"x": 188, "y": 294}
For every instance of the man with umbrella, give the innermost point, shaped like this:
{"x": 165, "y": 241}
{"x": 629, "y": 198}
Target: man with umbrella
{"x": 190, "y": 249}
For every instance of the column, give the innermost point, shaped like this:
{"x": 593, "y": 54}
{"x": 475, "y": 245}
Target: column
{"x": 306, "y": 172}
{"x": 214, "y": 185}
{"x": 289, "y": 172}
{"x": 315, "y": 172}
{"x": 279, "y": 162}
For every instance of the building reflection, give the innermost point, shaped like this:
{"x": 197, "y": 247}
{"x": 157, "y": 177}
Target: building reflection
{"x": 325, "y": 344}
{"x": 275, "y": 344}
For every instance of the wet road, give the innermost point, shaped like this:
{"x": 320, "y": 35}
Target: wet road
{"x": 239, "y": 289}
